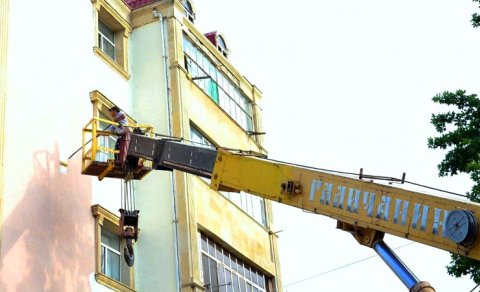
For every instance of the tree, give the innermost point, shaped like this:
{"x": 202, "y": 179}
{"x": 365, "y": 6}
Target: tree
{"x": 475, "y": 17}
{"x": 459, "y": 131}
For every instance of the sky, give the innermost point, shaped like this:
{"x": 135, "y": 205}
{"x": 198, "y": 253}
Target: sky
{"x": 348, "y": 85}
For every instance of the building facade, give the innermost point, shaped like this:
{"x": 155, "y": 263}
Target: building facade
{"x": 59, "y": 228}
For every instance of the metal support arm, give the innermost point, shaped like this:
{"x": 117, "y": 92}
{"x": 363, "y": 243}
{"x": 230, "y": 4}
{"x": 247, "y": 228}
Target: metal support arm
{"x": 400, "y": 269}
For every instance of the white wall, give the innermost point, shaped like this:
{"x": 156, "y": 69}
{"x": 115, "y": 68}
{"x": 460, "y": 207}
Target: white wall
{"x": 47, "y": 231}
{"x": 155, "y": 250}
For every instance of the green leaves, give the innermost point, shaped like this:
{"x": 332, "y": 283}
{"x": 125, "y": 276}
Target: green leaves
{"x": 459, "y": 131}
{"x": 461, "y": 266}
{"x": 459, "y": 134}
{"x": 475, "y": 17}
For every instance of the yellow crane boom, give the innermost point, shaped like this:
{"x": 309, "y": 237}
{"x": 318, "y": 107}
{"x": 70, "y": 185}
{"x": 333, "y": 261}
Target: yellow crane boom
{"x": 366, "y": 209}
{"x": 356, "y": 203}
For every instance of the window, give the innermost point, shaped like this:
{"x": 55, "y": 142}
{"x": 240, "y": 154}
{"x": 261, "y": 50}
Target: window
{"x": 110, "y": 246}
{"x": 218, "y": 86}
{"x": 222, "y": 46}
{"x": 198, "y": 139}
{"x": 252, "y": 205}
{"x": 112, "y": 30}
{"x": 104, "y": 142}
{"x": 224, "y": 272}
{"x": 106, "y": 39}
{"x": 111, "y": 269}
{"x": 189, "y": 13}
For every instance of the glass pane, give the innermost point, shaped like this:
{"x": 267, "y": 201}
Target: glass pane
{"x": 206, "y": 271}
{"x": 234, "y": 263}
{"x": 227, "y": 103}
{"x": 113, "y": 265}
{"x": 242, "y": 119}
{"x": 221, "y": 278}
{"x": 213, "y": 275}
{"x": 106, "y": 32}
{"x": 235, "y": 283}
{"x": 240, "y": 268}
{"x": 249, "y": 124}
{"x": 200, "y": 59}
{"x": 243, "y": 287}
{"x": 211, "y": 248}
{"x": 222, "y": 97}
{"x": 261, "y": 281}
{"x": 248, "y": 275}
{"x": 236, "y": 199}
{"x": 187, "y": 47}
{"x": 249, "y": 287}
{"x": 221, "y": 43}
{"x": 204, "y": 242}
{"x": 188, "y": 64}
{"x": 200, "y": 82}
{"x": 195, "y": 70}
{"x": 111, "y": 240}
{"x": 219, "y": 254}
{"x": 213, "y": 73}
{"x": 228, "y": 280}
{"x": 226, "y": 258}
{"x": 254, "y": 277}
{"x": 235, "y": 96}
{"x": 109, "y": 49}
{"x": 213, "y": 90}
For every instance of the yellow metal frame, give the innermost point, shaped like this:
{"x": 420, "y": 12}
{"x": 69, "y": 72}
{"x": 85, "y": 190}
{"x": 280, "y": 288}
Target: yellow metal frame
{"x": 360, "y": 206}
{"x": 90, "y": 146}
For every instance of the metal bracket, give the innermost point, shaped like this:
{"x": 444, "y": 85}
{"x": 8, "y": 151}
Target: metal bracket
{"x": 291, "y": 187}
{"x": 201, "y": 77}
{"x": 364, "y": 236}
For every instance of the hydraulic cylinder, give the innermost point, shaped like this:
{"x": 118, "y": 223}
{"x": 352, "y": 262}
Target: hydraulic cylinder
{"x": 400, "y": 269}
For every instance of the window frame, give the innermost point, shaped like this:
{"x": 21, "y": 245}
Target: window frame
{"x": 222, "y": 45}
{"x": 114, "y": 14}
{"x": 189, "y": 10}
{"x": 105, "y": 258}
{"x": 105, "y": 37}
{"x": 231, "y": 265}
{"x": 243, "y": 200}
{"x": 229, "y": 97}
{"x": 106, "y": 220}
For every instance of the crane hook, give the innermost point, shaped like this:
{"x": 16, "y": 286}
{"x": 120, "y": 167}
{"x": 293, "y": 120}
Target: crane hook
{"x": 128, "y": 253}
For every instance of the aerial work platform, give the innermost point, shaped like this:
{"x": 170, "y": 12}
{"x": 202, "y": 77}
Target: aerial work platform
{"x": 98, "y": 150}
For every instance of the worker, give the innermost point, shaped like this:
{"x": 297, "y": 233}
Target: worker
{"x": 122, "y": 132}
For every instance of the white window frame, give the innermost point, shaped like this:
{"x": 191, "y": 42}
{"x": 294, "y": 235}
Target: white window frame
{"x": 105, "y": 261}
{"x": 103, "y": 38}
{"x": 106, "y": 220}
{"x": 240, "y": 264}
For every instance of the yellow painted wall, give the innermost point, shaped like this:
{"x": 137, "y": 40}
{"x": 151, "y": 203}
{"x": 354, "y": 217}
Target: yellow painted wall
{"x": 213, "y": 121}
{"x": 213, "y": 213}
{"x": 217, "y": 215}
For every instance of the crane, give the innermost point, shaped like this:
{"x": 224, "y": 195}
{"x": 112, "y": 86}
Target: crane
{"x": 365, "y": 209}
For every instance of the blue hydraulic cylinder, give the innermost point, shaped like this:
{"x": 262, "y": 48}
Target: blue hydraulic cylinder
{"x": 395, "y": 264}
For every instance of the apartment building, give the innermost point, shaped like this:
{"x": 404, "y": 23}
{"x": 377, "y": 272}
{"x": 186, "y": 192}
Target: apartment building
{"x": 63, "y": 65}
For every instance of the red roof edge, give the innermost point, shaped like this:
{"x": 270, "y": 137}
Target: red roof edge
{"x": 212, "y": 37}
{"x": 134, "y": 4}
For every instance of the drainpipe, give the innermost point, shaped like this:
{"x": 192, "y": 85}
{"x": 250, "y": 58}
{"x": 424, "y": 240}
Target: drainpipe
{"x": 164, "y": 39}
